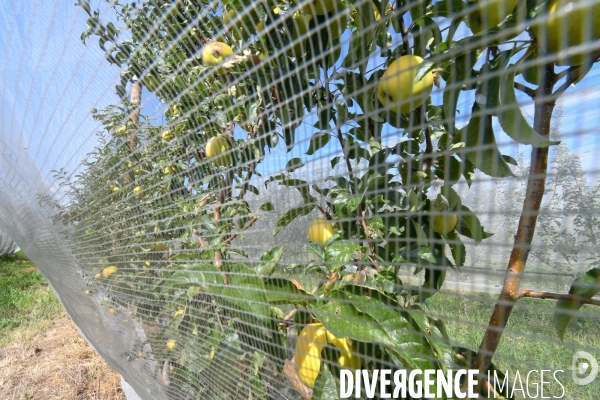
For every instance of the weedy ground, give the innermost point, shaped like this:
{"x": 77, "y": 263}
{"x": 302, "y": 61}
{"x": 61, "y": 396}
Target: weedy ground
{"x": 529, "y": 342}
{"x": 42, "y": 355}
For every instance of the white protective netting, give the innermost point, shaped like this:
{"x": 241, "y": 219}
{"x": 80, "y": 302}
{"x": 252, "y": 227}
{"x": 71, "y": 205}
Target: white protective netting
{"x": 237, "y": 199}
{"x": 7, "y": 246}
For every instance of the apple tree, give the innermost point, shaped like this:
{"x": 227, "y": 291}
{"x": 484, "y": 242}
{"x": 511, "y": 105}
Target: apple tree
{"x": 237, "y": 80}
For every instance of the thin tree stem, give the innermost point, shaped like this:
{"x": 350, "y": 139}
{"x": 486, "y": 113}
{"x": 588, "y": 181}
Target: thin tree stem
{"x": 557, "y": 296}
{"x": 404, "y": 33}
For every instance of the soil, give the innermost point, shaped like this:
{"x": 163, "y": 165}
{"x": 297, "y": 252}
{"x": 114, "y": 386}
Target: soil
{"x": 56, "y": 364}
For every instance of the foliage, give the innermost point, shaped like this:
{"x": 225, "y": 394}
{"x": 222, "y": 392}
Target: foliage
{"x": 214, "y": 309}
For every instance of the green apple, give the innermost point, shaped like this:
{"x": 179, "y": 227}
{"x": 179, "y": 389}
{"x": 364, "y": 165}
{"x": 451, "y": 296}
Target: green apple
{"x": 218, "y": 150}
{"x": 397, "y": 90}
{"x": 443, "y": 224}
{"x": 443, "y": 220}
{"x": 214, "y": 53}
{"x": 489, "y": 13}
{"x": 570, "y": 23}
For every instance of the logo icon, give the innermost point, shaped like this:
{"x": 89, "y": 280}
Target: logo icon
{"x": 580, "y": 368}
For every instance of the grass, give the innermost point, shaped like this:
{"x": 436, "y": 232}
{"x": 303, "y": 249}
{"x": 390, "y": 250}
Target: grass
{"x": 27, "y": 304}
{"x": 529, "y": 342}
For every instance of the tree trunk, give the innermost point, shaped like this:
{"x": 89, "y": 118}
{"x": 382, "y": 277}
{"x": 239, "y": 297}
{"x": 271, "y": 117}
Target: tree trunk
{"x": 136, "y": 99}
{"x": 544, "y": 106}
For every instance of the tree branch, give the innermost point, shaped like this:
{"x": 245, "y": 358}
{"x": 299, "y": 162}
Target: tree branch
{"x": 557, "y": 296}
{"x": 527, "y": 90}
{"x": 224, "y": 194}
{"x": 576, "y": 72}
{"x": 248, "y": 225}
{"x": 533, "y": 198}
{"x": 404, "y": 33}
{"x": 325, "y": 212}
{"x": 371, "y": 247}
{"x": 246, "y": 181}
{"x": 189, "y": 163}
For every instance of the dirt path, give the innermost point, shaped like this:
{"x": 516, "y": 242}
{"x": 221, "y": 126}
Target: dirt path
{"x": 56, "y": 364}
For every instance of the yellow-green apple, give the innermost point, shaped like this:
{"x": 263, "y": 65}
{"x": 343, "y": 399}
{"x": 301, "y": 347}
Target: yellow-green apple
{"x": 218, "y": 150}
{"x": 397, "y": 90}
{"x": 489, "y": 13}
{"x": 569, "y": 24}
{"x": 214, "y": 53}
{"x": 320, "y": 230}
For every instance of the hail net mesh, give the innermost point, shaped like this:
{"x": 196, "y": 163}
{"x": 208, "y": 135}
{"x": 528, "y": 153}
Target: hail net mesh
{"x": 166, "y": 175}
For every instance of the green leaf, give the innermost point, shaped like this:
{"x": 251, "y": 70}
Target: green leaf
{"x": 293, "y": 164}
{"x": 252, "y": 189}
{"x": 299, "y": 184}
{"x": 318, "y": 141}
{"x": 423, "y": 68}
{"x": 422, "y": 238}
{"x": 510, "y": 160}
{"x": 449, "y": 170}
{"x": 586, "y": 286}
{"x": 489, "y": 88}
{"x": 286, "y": 291}
{"x": 482, "y": 150}
{"x": 468, "y": 225}
{"x": 268, "y": 206}
{"x": 291, "y": 215}
{"x": 531, "y": 72}
{"x": 457, "y": 248}
{"x": 319, "y": 392}
{"x": 353, "y": 203}
{"x": 445, "y": 8}
{"x": 451, "y": 195}
{"x": 340, "y": 317}
{"x": 339, "y": 253}
{"x": 204, "y": 275}
{"x": 85, "y": 4}
{"x": 511, "y": 119}
{"x": 272, "y": 257}
{"x": 459, "y": 71}
{"x": 245, "y": 297}
{"x": 535, "y": 7}
{"x": 434, "y": 279}
{"x": 317, "y": 250}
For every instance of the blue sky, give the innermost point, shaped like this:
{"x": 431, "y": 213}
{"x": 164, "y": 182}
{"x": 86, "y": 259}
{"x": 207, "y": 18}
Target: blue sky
{"x": 51, "y": 81}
